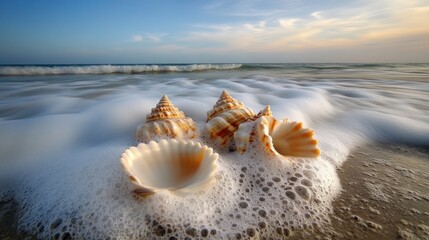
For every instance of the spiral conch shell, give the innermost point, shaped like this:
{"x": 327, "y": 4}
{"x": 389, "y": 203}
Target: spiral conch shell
{"x": 225, "y": 117}
{"x": 166, "y": 121}
{"x": 277, "y": 137}
{"x": 175, "y": 165}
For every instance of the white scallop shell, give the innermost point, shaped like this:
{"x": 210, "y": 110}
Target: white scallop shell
{"x": 279, "y": 138}
{"x": 225, "y": 117}
{"x": 166, "y": 121}
{"x": 173, "y": 165}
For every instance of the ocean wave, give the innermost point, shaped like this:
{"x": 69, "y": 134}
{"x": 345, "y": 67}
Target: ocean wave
{"x": 333, "y": 66}
{"x": 110, "y": 69}
{"x": 290, "y": 68}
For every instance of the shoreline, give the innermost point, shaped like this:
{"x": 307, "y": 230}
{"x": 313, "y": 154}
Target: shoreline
{"x": 384, "y": 196}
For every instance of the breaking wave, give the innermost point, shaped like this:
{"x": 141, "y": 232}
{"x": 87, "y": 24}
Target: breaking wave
{"x": 110, "y": 69}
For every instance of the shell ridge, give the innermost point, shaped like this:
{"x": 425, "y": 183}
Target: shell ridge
{"x": 281, "y": 138}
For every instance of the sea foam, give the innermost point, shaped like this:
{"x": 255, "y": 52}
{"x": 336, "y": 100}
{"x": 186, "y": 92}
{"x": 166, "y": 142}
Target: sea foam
{"x": 60, "y": 162}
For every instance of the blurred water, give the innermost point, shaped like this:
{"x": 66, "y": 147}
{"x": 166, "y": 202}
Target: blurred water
{"x": 81, "y": 123}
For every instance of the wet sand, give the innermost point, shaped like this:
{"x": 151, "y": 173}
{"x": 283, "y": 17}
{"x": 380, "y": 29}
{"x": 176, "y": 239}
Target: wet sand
{"x": 385, "y": 196}
{"x": 8, "y": 219}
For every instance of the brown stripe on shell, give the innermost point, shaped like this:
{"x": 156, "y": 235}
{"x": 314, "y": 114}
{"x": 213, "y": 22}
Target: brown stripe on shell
{"x": 142, "y": 192}
{"x": 225, "y": 103}
{"x": 224, "y": 125}
{"x": 132, "y": 178}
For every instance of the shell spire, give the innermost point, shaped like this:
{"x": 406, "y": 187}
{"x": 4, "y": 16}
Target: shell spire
{"x": 264, "y": 112}
{"x": 165, "y": 102}
{"x": 165, "y": 99}
{"x": 164, "y": 110}
{"x": 225, "y": 94}
{"x": 225, "y": 117}
{"x": 225, "y": 103}
{"x": 166, "y": 121}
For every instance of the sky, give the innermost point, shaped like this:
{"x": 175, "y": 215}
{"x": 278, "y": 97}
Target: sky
{"x": 218, "y": 31}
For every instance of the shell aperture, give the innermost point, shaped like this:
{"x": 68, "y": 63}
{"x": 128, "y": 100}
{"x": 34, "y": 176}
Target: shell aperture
{"x": 173, "y": 165}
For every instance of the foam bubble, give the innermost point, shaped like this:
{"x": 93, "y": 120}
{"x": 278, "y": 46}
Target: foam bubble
{"x": 249, "y": 191}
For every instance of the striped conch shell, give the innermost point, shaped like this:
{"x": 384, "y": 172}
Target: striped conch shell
{"x": 166, "y": 121}
{"x": 279, "y": 138}
{"x": 225, "y": 117}
{"x": 176, "y": 166}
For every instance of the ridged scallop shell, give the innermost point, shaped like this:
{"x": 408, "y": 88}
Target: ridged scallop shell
{"x": 277, "y": 137}
{"x": 173, "y": 165}
{"x": 166, "y": 121}
{"x": 225, "y": 117}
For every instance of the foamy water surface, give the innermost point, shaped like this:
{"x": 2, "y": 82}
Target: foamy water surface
{"x": 62, "y": 137}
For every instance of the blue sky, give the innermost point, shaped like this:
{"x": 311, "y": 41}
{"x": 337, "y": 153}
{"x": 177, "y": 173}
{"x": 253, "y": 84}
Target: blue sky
{"x": 143, "y": 31}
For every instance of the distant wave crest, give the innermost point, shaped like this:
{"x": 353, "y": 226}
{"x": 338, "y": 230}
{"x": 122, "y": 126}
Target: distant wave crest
{"x": 111, "y": 69}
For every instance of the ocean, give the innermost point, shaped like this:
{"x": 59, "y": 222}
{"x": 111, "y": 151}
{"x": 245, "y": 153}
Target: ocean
{"x": 63, "y": 129}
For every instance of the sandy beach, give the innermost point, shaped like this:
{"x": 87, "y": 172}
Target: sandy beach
{"x": 384, "y": 196}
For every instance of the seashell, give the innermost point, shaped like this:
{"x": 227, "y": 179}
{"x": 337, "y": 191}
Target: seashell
{"x": 225, "y": 117}
{"x": 166, "y": 121}
{"x": 277, "y": 137}
{"x": 264, "y": 112}
{"x": 170, "y": 165}
{"x": 245, "y": 135}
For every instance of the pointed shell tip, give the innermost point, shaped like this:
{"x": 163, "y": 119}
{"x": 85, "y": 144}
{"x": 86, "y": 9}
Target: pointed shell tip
{"x": 225, "y": 94}
{"x": 164, "y": 98}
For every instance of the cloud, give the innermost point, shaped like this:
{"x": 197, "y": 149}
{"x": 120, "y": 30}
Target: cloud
{"x": 151, "y": 37}
{"x": 353, "y": 25}
{"x": 288, "y": 23}
{"x": 259, "y": 27}
{"x": 137, "y": 38}
{"x": 316, "y": 15}
{"x": 381, "y": 30}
